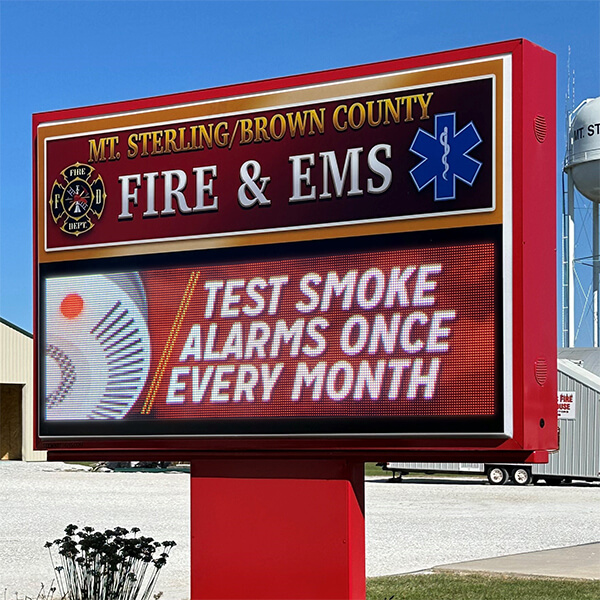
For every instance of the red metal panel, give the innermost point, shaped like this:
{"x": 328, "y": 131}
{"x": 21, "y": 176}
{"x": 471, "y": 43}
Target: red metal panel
{"x": 534, "y": 237}
{"x": 277, "y": 530}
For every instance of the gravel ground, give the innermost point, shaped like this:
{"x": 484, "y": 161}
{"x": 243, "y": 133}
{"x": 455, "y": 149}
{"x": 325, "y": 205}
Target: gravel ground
{"x": 38, "y": 500}
{"x": 422, "y": 523}
{"x": 410, "y": 526}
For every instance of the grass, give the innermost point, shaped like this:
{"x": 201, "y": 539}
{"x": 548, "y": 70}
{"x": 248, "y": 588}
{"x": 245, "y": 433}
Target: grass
{"x": 450, "y": 586}
{"x": 371, "y": 470}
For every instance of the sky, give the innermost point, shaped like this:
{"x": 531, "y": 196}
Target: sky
{"x": 57, "y": 55}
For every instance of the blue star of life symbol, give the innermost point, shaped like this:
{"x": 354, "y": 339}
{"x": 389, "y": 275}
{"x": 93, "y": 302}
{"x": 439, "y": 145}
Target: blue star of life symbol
{"x": 445, "y": 156}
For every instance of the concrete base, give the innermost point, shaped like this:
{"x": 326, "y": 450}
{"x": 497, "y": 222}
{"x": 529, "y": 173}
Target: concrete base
{"x": 574, "y": 562}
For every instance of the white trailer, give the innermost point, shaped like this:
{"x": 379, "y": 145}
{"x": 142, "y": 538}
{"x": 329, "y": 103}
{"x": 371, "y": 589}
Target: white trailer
{"x": 578, "y": 457}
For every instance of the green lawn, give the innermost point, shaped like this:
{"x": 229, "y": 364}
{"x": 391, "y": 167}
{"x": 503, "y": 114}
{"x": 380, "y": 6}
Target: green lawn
{"x": 449, "y": 586}
{"x": 372, "y": 470}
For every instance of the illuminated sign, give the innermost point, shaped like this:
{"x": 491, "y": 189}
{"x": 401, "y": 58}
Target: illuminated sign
{"x": 339, "y": 255}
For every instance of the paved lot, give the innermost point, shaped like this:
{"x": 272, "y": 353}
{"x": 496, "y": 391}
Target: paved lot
{"x": 411, "y": 526}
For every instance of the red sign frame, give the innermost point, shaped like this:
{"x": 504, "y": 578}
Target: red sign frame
{"x": 506, "y": 194}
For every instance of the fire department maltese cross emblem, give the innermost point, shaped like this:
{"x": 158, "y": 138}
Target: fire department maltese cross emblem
{"x": 78, "y": 202}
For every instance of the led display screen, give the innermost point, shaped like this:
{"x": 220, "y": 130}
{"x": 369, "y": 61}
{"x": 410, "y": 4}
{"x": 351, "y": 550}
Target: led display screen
{"x": 388, "y": 334}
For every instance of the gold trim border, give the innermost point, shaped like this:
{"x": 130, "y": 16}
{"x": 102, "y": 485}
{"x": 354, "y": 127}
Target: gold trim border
{"x": 168, "y": 349}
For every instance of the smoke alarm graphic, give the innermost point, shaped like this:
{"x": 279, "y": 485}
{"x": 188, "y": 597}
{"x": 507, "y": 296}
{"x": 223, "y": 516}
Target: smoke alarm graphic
{"x": 97, "y": 346}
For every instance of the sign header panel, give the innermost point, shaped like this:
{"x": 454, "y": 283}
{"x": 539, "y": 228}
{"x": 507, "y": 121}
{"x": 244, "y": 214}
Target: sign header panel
{"x": 406, "y": 150}
{"x": 396, "y": 155}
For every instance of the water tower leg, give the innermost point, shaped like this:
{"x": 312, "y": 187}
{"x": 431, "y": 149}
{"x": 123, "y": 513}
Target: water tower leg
{"x": 596, "y": 270}
{"x": 569, "y": 298}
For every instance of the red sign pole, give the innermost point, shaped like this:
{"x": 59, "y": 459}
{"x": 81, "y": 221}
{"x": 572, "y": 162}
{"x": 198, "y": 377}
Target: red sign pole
{"x": 277, "y": 529}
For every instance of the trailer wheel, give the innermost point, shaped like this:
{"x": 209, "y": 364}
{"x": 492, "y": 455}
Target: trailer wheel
{"x": 521, "y": 476}
{"x": 497, "y": 475}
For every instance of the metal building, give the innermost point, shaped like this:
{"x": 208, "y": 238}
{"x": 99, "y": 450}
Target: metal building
{"x": 578, "y": 456}
{"x": 16, "y": 394}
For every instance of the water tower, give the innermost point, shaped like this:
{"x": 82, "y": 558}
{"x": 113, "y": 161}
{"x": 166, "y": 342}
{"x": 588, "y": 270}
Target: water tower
{"x": 582, "y": 169}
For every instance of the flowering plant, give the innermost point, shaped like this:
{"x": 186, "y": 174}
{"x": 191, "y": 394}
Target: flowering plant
{"x": 114, "y": 565}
